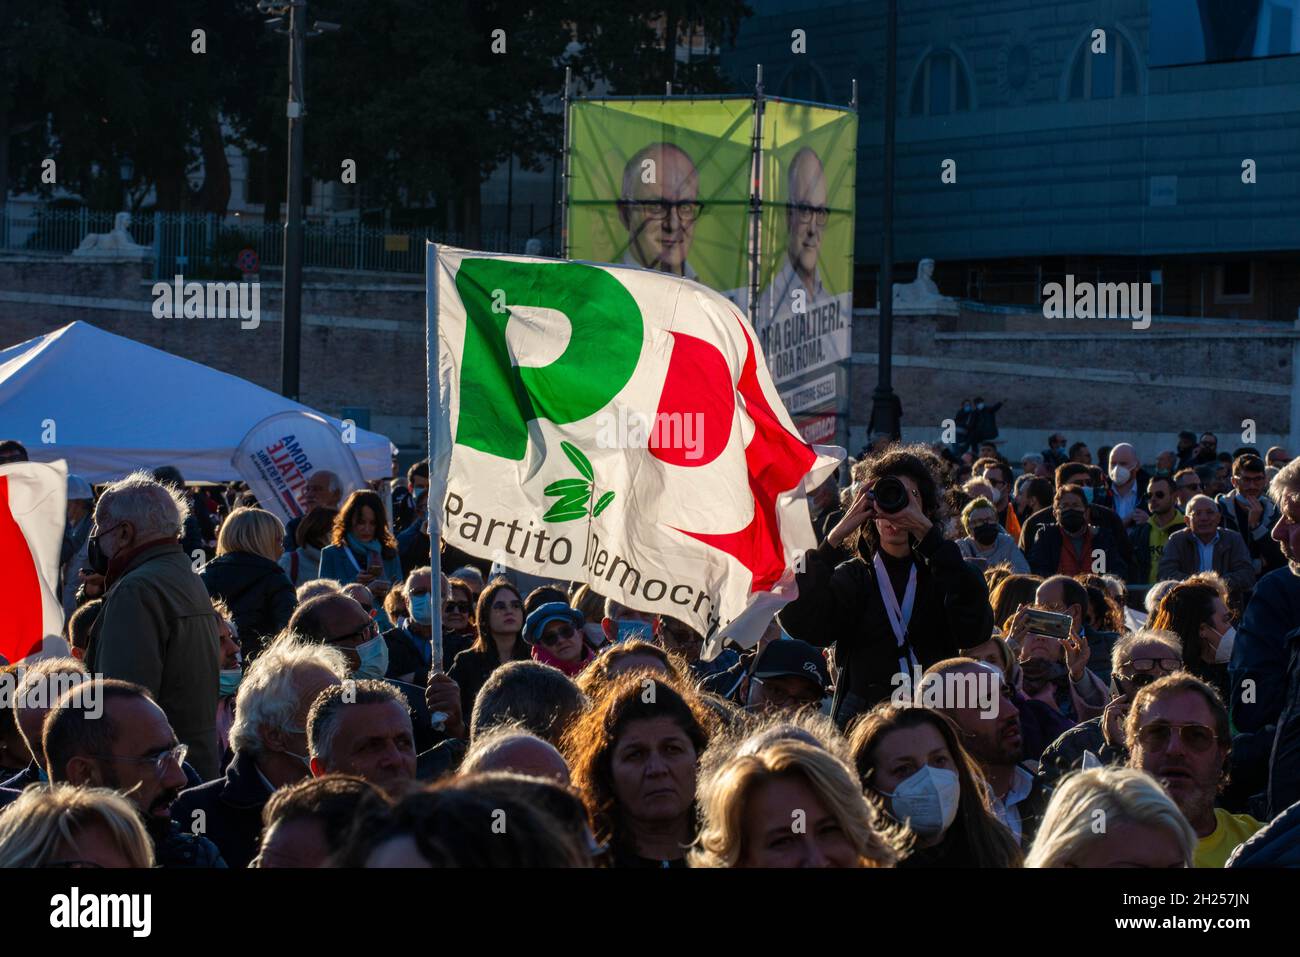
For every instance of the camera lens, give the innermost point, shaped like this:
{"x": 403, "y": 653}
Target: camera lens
{"x": 890, "y": 495}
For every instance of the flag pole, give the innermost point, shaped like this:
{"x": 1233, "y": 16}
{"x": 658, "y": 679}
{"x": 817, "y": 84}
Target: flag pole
{"x": 755, "y": 195}
{"x": 564, "y": 170}
{"x": 438, "y": 457}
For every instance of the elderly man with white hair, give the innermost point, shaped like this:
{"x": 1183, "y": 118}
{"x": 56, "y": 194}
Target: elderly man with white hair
{"x": 1205, "y": 547}
{"x": 269, "y": 741}
{"x": 157, "y": 627}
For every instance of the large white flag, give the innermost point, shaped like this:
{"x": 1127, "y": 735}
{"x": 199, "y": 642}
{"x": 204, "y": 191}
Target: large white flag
{"x": 33, "y": 509}
{"x": 617, "y": 426}
{"x": 280, "y": 453}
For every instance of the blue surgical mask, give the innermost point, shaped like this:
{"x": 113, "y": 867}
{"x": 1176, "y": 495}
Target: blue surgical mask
{"x": 230, "y": 678}
{"x": 1087, "y": 493}
{"x": 374, "y": 659}
{"x": 633, "y": 629}
{"x": 422, "y": 609}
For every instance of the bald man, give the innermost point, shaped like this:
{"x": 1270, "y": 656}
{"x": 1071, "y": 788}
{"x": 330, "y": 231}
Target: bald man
{"x": 659, "y": 208}
{"x": 801, "y": 324}
{"x": 1128, "y": 486}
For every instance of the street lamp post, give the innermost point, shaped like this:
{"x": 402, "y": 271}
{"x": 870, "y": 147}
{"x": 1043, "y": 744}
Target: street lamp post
{"x": 296, "y": 111}
{"x": 291, "y": 328}
{"x": 886, "y": 409}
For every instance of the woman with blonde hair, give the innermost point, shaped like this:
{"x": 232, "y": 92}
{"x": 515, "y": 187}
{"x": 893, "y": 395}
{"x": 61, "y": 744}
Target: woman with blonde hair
{"x": 790, "y": 804}
{"x": 1112, "y": 817}
{"x": 247, "y": 576}
{"x": 59, "y": 825}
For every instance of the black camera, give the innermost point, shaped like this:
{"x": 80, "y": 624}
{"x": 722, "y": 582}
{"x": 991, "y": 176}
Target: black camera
{"x": 889, "y": 495}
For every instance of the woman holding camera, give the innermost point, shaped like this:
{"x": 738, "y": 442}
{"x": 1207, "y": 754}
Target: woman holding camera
{"x": 905, "y": 600}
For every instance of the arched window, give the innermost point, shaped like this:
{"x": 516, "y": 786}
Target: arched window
{"x": 1102, "y": 76}
{"x": 804, "y": 81}
{"x": 941, "y": 85}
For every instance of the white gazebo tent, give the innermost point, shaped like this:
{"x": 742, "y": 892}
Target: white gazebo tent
{"x": 110, "y": 405}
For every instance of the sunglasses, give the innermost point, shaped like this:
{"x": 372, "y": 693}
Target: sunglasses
{"x": 1150, "y": 664}
{"x": 463, "y": 607}
{"x": 1196, "y": 737}
{"x": 563, "y": 632}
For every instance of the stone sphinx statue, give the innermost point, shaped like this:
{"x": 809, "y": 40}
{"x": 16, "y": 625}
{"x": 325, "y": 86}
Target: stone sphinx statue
{"x": 922, "y": 294}
{"x": 117, "y": 244}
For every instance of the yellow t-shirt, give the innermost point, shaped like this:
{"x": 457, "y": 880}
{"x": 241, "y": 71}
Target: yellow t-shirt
{"x": 1230, "y": 831}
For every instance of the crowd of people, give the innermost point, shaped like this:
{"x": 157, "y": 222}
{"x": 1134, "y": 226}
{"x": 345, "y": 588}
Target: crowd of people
{"x": 988, "y": 664}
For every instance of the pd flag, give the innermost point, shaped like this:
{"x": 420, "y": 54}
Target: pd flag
{"x": 617, "y": 426}
{"x": 280, "y": 453}
{"x": 33, "y": 508}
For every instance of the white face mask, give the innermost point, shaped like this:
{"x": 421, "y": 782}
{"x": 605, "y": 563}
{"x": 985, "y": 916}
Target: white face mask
{"x": 1119, "y": 474}
{"x": 1226, "y": 640}
{"x": 927, "y": 801}
{"x": 995, "y": 496}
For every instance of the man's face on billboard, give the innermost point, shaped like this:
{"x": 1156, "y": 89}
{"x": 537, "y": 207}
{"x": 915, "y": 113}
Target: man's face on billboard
{"x": 806, "y": 213}
{"x": 660, "y": 214}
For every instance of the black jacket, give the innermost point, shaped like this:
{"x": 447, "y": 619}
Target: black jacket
{"x": 1284, "y": 762}
{"x": 258, "y": 593}
{"x": 983, "y": 424}
{"x": 1098, "y": 515}
{"x": 232, "y": 810}
{"x": 176, "y": 848}
{"x": 1045, "y": 554}
{"x": 841, "y": 605}
{"x": 1065, "y": 754}
{"x": 471, "y": 670}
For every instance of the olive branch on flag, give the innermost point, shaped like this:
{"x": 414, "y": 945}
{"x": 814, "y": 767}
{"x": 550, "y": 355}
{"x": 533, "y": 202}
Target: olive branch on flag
{"x": 575, "y": 493}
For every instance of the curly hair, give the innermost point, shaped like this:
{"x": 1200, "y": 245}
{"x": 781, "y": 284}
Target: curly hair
{"x": 364, "y": 498}
{"x": 589, "y": 744}
{"x": 916, "y": 462}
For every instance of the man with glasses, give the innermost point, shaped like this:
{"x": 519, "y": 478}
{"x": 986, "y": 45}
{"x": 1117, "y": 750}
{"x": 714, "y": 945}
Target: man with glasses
{"x": 340, "y": 621}
{"x": 1187, "y": 483}
{"x": 788, "y": 675}
{"x": 125, "y": 742}
{"x": 796, "y": 298}
{"x": 1137, "y": 660}
{"x": 1177, "y": 731}
{"x": 659, "y": 208}
{"x": 1149, "y": 538}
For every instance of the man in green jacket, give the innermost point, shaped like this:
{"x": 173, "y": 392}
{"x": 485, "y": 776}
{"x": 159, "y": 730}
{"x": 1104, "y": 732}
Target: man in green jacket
{"x": 157, "y": 627}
